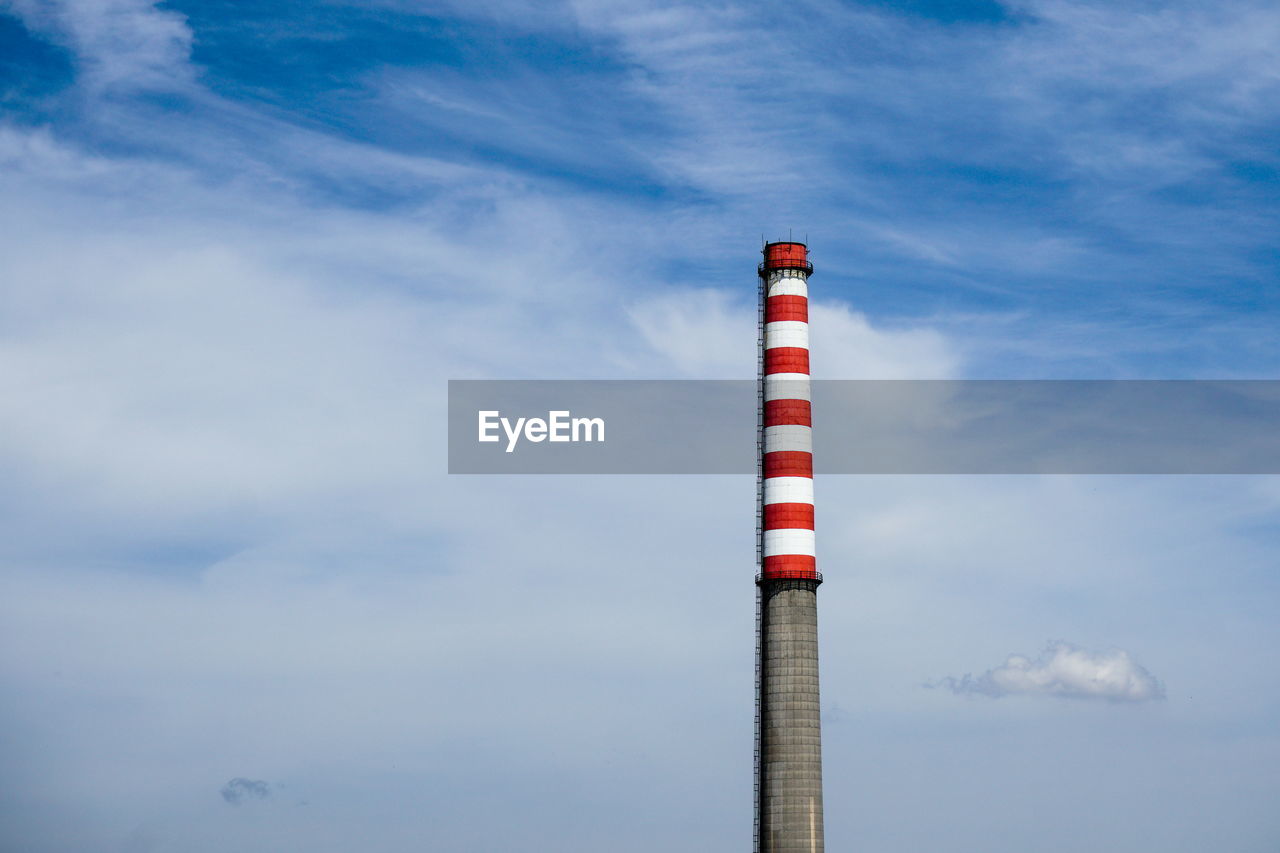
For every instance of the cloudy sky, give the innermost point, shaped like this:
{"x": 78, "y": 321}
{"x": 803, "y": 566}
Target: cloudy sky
{"x": 244, "y": 245}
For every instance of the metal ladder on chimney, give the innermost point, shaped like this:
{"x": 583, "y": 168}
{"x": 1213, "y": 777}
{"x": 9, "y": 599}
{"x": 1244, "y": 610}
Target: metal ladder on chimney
{"x": 760, "y": 318}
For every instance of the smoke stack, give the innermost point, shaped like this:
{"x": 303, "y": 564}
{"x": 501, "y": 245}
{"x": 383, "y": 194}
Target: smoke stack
{"x": 788, "y": 724}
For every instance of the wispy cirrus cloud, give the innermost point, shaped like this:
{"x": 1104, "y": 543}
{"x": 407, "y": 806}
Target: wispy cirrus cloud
{"x": 120, "y": 45}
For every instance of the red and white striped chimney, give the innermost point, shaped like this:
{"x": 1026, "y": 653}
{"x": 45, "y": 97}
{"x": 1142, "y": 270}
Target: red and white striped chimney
{"x": 787, "y": 547}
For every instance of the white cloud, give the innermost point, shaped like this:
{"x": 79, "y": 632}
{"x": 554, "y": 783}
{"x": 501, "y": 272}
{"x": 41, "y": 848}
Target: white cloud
{"x": 847, "y": 346}
{"x": 1063, "y": 670}
{"x": 120, "y": 44}
{"x": 705, "y": 334}
{"x": 708, "y": 334}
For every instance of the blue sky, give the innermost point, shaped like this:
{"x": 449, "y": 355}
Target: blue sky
{"x": 244, "y": 245}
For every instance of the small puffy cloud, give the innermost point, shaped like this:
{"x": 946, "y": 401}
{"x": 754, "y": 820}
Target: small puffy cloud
{"x": 240, "y": 789}
{"x": 1063, "y": 670}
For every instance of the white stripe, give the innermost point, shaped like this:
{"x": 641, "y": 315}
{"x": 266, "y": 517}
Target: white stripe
{"x": 789, "y": 541}
{"x": 788, "y": 437}
{"x": 789, "y": 286}
{"x": 786, "y": 386}
{"x": 786, "y": 333}
{"x": 788, "y": 490}
{"x": 786, "y": 326}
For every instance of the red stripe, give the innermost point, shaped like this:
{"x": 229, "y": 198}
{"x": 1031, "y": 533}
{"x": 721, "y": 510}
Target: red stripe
{"x": 780, "y": 308}
{"x": 790, "y": 566}
{"x": 787, "y": 413}
{"x": 788, "y": 463}
{"x": 788, "y": 516}
{"x": 786, "y": 360}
